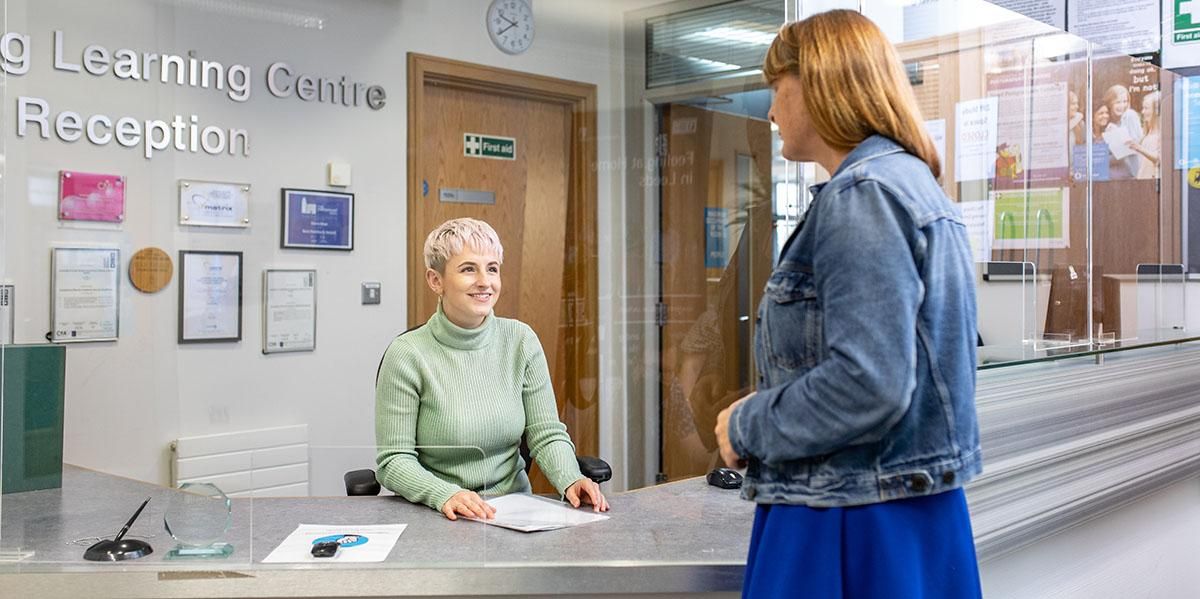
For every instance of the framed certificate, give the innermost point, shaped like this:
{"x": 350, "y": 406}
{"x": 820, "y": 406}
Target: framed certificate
{"x": 213, "y": 204}
{"x": 318, "y": 220}
{"x": 85, "y": 303}
{"x": 210, "y": 296}
{"x": 91, "y": 196}
{"x": 289, "y": 310}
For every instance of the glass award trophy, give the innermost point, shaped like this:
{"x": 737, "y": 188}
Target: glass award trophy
{"x": 197, "y": 516}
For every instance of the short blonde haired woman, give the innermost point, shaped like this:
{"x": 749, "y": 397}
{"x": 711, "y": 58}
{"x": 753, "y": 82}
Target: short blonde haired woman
{"x": 863, "y": 428}
{"x": 454, "y": 397}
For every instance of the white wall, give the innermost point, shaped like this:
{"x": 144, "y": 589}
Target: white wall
{"x": 127, "y": 400}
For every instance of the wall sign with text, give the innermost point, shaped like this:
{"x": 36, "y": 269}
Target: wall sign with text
{"x": 317, "y": 220}
{"x": 37, "y": 116}
{"x": 213, "y": 204}
{"x": 476, "y": 145}
{"x": 90, "y": 196}
{"x": 85, "y": 302}
{"x": 210, "y": 296}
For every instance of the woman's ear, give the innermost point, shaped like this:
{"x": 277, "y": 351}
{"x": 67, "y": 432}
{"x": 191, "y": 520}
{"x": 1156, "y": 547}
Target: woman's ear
{"x": 434, "y": 280}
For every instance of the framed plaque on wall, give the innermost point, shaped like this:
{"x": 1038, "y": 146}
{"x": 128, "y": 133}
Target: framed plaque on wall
{"x": 210, "y": 296}
{"x": 317, "y": 220}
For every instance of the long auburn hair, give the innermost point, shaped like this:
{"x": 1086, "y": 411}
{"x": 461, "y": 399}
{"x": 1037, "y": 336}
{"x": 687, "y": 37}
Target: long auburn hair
{"x": 853, "y": 82}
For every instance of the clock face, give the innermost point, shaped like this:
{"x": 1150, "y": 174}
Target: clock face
{"x": 510, "y": 23}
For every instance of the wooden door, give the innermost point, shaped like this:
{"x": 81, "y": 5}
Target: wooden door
{"x": 717, "y": 167}
{"x": 543, "y": 210}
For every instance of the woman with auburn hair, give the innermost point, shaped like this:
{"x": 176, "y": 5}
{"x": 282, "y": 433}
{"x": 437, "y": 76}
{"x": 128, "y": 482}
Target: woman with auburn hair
{"x": 863, "y": 429}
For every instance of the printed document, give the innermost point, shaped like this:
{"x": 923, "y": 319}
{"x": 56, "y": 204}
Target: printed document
{"x": 1117, "y": 139}
{"x": 370, "y": 543}
{"x": 528, "y": 513}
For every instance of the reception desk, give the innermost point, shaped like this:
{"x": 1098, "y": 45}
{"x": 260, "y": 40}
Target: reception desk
{"x": 679, "y": 538}
{"x": 1066, "y": 440}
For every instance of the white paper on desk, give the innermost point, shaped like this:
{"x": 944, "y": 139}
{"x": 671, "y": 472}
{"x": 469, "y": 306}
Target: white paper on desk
{"x": 1116, "y": 138}
{"x": 528, "y": 513}
{"x": 370, "y": 543}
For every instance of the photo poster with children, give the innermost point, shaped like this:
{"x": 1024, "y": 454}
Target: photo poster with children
{"x": 1126, "y": 121}
{"x": 1031, "y": 133}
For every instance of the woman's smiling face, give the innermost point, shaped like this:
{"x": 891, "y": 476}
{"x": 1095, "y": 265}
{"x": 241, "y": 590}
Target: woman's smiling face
{"x": 469, "y": 286}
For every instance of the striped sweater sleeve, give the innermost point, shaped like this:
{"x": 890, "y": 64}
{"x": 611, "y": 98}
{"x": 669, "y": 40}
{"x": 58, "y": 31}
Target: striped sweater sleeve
{"x": 397, "y": 401}
{"x": 546, "y": 435}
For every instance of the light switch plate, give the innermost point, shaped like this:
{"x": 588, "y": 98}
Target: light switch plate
{"x": 372, "y": 293}
{"x": 339, "y": 174}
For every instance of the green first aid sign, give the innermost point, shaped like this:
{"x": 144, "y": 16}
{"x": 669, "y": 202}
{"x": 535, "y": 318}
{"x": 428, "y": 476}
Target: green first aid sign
{"x": 489, "y": 146}
{"x": 1187, "y": 21}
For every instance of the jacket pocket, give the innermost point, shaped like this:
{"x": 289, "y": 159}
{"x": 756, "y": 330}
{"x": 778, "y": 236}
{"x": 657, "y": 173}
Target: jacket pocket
{"x": 792, "y": 322}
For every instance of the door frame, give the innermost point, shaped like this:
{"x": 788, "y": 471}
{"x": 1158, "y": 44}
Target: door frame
{"x": 580, "y": 99}
{"x": 643, "y": 268}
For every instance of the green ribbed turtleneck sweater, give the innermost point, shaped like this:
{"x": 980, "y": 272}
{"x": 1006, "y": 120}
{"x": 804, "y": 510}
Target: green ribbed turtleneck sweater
{"x": 451, "y": 405}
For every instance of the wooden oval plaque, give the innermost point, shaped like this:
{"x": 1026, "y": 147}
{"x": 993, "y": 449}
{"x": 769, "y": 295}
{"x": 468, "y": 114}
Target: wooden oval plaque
{"x": 150, "y": 270}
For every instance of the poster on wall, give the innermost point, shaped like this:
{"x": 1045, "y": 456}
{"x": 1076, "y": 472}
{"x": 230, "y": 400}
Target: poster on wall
{"x": 1187, "y": 122}
{"x": 320, "y": 220}
{"x": 1099, "y": 161}
{"x": 937, "y": 132}
{"x": 1126, "y": 122}
{"x": 716, "y": 237}
{"x": 1031, "y": 219}
{"x": 289, "y": 310}
{"x": 85, "y": 303}
{"x": 1032, "y": 124}
{"x": 210, "y": 296}
{"x": 214, "y": 204}
{"x": 977, "y": 216}
{"x": 1127, "y": 27}
{"x": 1050, "y": 12}
{"x": 91, "y": 197}
{"x": 975, "y": 139}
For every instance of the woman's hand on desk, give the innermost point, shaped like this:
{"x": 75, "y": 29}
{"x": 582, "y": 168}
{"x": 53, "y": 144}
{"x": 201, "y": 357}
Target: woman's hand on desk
{"x": 467, "y": 503}
{"x": 586, "y": 490}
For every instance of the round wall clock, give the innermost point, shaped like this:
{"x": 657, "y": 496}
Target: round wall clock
{"x": 510, "y": 25}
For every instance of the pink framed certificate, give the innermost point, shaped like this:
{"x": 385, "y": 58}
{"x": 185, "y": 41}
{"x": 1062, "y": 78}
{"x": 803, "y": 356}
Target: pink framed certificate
{"x": 91, "y": 196}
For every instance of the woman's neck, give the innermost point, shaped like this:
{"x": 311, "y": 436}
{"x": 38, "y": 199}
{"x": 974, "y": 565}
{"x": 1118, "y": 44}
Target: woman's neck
{"x": 830, "y": 159}
{"x": 473, "y": 322}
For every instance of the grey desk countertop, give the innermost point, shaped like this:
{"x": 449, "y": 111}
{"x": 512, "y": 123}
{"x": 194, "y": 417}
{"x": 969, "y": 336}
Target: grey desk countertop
{"x": 682, "y": 537}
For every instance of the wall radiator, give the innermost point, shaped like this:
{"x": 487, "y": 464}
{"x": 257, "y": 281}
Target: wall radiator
{"x": 268, "y": 462}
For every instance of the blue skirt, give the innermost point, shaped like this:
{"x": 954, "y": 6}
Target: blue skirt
{"x": 917, "y": 548}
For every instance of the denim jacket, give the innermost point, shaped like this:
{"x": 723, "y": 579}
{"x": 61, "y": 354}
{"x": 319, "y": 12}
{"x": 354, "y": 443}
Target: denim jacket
{"x": 865, "y": 345}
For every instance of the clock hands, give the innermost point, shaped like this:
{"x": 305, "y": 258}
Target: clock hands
{"x": 500, "y": 23}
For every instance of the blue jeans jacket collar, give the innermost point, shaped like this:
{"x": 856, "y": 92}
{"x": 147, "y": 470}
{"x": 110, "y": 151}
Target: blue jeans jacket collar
{"x": 870, "y": 148}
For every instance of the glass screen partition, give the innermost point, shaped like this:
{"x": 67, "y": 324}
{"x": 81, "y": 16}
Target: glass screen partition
{"x": 1060, "y": 159}
{"x": 215, "y": 213}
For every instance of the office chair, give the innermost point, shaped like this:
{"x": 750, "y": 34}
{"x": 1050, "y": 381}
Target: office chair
{"x": 363, "y": 482}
